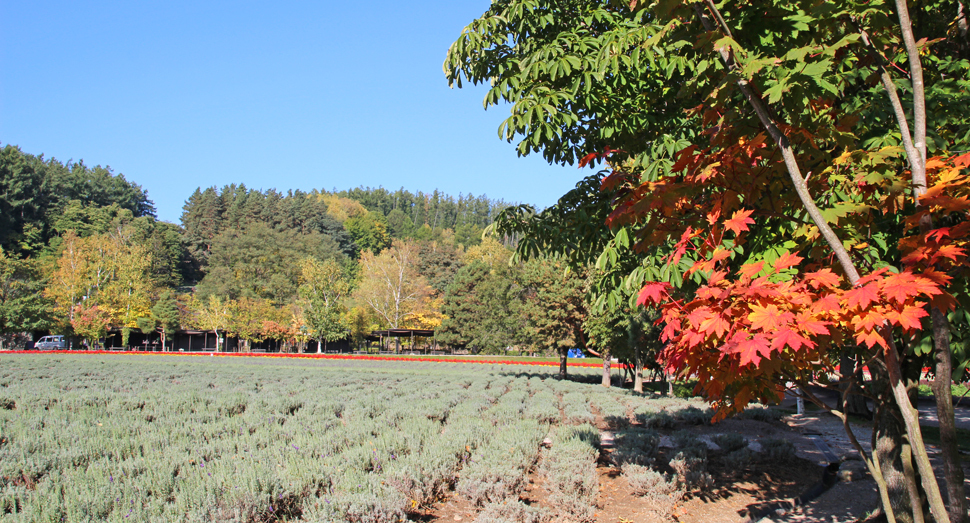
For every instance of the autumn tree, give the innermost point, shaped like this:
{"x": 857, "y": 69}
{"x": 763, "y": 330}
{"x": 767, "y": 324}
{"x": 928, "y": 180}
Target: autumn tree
{"x": 254, "y": 320}
{"x": 90, "y": 322}
{"x": 212, "y": 314}
{"x": 390, "y": 283}
{"x": 323, "y": 289}
{"x": 764, "y": 152}
{"x": 107, "y": 270}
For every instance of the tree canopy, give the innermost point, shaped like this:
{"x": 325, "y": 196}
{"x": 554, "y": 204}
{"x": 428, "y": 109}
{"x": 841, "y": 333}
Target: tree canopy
{"x": 771, "y": 155}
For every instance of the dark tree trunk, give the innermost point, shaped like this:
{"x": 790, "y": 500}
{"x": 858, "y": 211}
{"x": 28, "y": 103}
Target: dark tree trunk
{"x": 563, "y": 354}
{"x": 942, "y": 392}
{"x": 891, "y": 445}
{"x": 851, "y": 403}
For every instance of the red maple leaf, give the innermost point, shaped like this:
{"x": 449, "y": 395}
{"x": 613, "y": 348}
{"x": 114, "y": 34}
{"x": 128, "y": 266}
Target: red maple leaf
{"x": 791, "y": 338}
{"x": 938, "y": 234}
{"x": 739, "y": 221}
{"x": 696, "y": 316}
{"x": 863, "y": 296}
{"x": 908, "y": 317}
{"x": 652, "y": 293}
{"x": 752, "y": 350}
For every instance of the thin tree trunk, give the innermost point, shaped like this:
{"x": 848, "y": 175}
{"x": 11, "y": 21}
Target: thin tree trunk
{"x": 563, "y": 354}
{"x": 606, "y": 369}
{"x": 852, "y": 403}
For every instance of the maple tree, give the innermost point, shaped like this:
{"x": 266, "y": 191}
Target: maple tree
{"x": 770, "y": 175}
{"x": 91, "y": 323}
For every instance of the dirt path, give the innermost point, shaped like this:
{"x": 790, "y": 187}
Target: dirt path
{"x": 736, "y": 493}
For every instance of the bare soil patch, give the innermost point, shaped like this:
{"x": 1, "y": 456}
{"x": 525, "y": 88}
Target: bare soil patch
{"x": 760, "y": 490}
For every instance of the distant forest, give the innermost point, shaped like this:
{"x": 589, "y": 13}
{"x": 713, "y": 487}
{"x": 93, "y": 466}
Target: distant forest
{"x": 82, "y": 254}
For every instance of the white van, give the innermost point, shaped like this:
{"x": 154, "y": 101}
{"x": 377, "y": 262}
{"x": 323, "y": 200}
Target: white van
{"x": 51, "y": 343}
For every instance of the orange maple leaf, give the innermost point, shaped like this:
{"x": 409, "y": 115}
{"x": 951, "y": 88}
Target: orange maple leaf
{"x": 768, "y": 318}
{"x": 900, "y": 287}
{"x": 808, "y": 323}
{"x": 787, "y": 260}
{"x": 869, "y": 320}
{"x": 962, "y": 161}
{"x": 790, "y": 338}
{"x": 872, "y": 276}
{"x": 823, "y": 278}
{"x": 739, "y": 221}
{"x": 751, "y": 269}
{"x": 827, "y": 303}
{"x": 951, "y": 252}
{"x": 870, "y": 338}
{"x": 714, "y": 324}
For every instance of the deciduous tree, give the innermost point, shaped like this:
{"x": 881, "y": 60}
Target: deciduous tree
{"x": 761, "y": 145}
{"x": 323, "y": 289}
{"x": 390, "y": 283}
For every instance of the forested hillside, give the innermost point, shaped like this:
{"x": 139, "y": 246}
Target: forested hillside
{"x": 41, "y": 199}
{"x": 84, "y": 255}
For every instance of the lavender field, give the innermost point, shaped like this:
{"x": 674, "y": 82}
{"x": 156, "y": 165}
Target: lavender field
{"x": 143, "y": 438}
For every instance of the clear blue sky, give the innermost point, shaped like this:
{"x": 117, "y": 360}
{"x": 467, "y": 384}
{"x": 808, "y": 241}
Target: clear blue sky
{"x": 286, "y": 95}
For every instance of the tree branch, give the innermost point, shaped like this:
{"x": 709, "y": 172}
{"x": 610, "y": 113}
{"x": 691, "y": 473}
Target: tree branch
{"x": 801, "y": 188}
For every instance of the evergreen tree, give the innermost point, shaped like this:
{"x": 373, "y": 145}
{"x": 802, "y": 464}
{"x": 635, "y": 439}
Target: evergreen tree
{"x": 166, "y": 313}
{"x": 481, "y": 309}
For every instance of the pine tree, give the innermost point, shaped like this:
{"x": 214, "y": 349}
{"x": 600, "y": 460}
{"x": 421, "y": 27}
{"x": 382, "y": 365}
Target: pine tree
{"x": 166, "y": 312}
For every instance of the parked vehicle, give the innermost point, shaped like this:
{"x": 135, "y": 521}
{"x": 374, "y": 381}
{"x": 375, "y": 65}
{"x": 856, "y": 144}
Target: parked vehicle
{"x": 51, "y": 343}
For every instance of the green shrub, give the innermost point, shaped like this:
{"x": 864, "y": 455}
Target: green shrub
{"x": 776, "y": 449}
{"x": 730, "y": 442}
{"x": 694, "y": 416}
{"x": 765, "y": 414}
{"x": 739, "y": 459}
{"x": 690, "y": 467}
{"x": 635, "y": 446}
{"x": 570, "y": 470}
